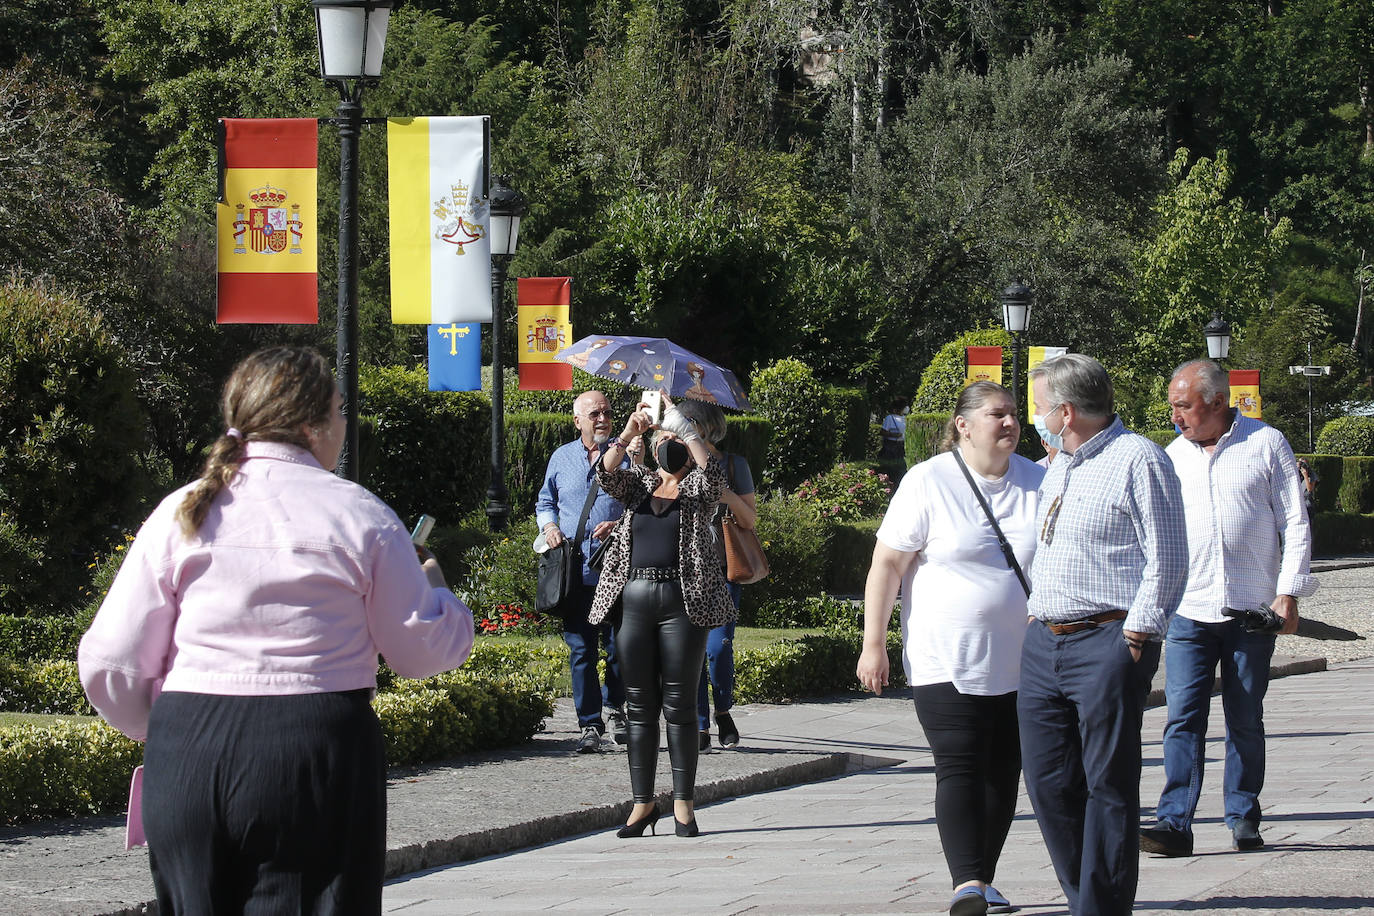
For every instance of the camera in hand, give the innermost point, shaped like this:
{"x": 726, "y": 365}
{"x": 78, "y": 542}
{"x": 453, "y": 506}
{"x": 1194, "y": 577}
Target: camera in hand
{"x": 1262, "y": 619}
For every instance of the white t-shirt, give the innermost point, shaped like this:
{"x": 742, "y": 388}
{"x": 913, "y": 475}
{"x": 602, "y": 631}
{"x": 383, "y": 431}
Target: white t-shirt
{"x": 963, "y": 609}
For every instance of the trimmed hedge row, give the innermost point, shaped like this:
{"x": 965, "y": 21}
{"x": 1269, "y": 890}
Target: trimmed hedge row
{"x": 807, "y": 667}
{"x": 38, "y": 637}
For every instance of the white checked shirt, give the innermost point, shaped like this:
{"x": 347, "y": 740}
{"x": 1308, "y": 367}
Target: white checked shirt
{"x": 1112, "y": 535}
{"x": 1248, "y": 534}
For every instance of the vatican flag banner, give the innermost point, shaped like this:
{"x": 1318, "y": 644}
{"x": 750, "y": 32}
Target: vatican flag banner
{"x": 543, "y": 328}
{"x": 266, "y": 222}
{"x": 984, "y": 365}
{"x": 1245, "y": 392}
{"x": 440, "y": 253}
{"x": 1036, "y": 356}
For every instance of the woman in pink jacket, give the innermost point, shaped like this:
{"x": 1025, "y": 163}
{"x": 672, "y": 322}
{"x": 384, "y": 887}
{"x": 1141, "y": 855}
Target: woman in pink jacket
{"x": 241, "y": 637}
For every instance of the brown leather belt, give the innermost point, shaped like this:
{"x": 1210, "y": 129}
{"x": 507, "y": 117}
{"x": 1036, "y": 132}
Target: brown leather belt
{"x": 1064, "y": 629}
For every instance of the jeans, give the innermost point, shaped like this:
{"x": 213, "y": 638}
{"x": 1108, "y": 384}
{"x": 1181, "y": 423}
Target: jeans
{"x": 1194, "y": 649}
{"x": 1080, "y": 704}
{"x": 720, "y": 668}
{"x": 977, "y": 770}
{"x": 584, "y": 642}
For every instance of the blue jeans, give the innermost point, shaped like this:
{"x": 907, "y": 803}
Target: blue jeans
{"x": 584, "y": 642}
{"x": 719, "y": 669}
{"x": 1194, "y": 649}
{"x": 1080, "y": 706}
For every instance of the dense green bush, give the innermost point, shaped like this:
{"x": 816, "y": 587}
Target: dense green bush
{"x": 424, "y": 451}
{"x": 796, "y": 549}
{"x": 503, "y": 571}
{"x": 804, "y": 423}
{"x": 748, "y": 435}
{"x": 850, "y": 406}
{"x": 1327, "y": 468}
{"x": 944, "y": 376}
{"x": 43, "y": 686}
{"x": 924, "y": 432}
{"x": 1337, "y": 533}
{"x": 1160, "y": 437}
{"x": 849, "y": 554}
{"x": 807, "y": 667}
{"x": 1347, "y": 436}
{"x": 623, "y": 399}
{"x": 531, "y": 438}
{"x": 67, "y": 769}
{"x": 846, "y": 493}
{"x": 38, "y": 638}
{"x": 1357, "y": 485}
{"x": 71, "y": 432}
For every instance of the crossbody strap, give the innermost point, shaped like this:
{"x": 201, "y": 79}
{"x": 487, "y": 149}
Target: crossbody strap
{"x": 586, "y": 510}
{"x": 1001, "y": 538}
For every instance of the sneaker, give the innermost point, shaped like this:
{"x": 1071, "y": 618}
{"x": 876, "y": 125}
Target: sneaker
{"x": 996, "y": 902}
{"x": 590, "y": 742}
{"x": 1166, "y": 841}
{"x": 729, "y": 735}
{"x": 704, "y": 740}
{"x": 619, "y": 727}
{"x": 1245, "y": 835}
{"x": 968, "y": 902}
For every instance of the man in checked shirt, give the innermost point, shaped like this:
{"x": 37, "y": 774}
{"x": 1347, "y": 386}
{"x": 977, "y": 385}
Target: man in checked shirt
{"x": 1249, "y": 543}
{"x": 1109, "y": 571}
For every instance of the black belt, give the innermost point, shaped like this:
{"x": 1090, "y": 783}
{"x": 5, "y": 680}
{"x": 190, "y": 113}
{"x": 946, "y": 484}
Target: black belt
{"x": 1073, "y": 626}
{"x": 656, "y": 573}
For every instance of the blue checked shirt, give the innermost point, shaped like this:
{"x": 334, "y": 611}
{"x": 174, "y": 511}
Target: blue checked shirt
{"x": 1248, "y": 535}
{"x": 1112, "y": 534}
{"x": 565, "y": 490}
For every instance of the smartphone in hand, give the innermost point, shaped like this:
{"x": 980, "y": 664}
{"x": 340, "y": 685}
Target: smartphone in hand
{"x": 422, "y": 529}
{"x": 653, "y": 400}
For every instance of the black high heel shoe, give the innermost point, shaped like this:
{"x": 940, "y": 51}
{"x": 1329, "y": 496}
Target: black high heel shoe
{"x": 636, "y": 828}
{"x": 687, "y": 829}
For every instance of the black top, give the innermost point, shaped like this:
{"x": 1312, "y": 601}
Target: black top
{"x": 654, "y": 533}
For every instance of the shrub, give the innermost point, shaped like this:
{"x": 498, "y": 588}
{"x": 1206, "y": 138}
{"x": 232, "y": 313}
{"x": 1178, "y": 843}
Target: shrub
{"x": 1327, "y": 468}
{"x": 796, "y": 547}
{"x": 850, "y": 549}
{"x": 1347, "y": 436}
{"x": 502, "y": 572}
{"x": 924, "y": 431}
{"x": 531, "y": 439}
{"x": 810, "y": 666}
{"x": 1160, "y": 437}
{"x": 50, "y": 686}
{"x": 72, "y": 431}
{"x": 64, "y": 770}
{"x": 748, "y": 435}
{"x": 1335, "y": 533}
{"x": 804, "y": 440}
{"x": 505, "y": 619}
{"x": 846, "y": 493}
{"x": 39, "y": 637}
{"x": 424, "y": 451}
{"x": 623, "y": 399}
{"x": 944, "y": 377}
{"x": 850, "y": 406}
{"x": 1357, "y": 485}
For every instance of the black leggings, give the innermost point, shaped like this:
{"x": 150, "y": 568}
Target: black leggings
{"x": 661, "y": 654}
{"x": 977, "y": 750}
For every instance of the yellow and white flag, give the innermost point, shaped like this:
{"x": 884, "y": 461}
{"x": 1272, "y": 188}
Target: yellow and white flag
{"x": 1036, "y": 356}
{"x": 440, "y": 253}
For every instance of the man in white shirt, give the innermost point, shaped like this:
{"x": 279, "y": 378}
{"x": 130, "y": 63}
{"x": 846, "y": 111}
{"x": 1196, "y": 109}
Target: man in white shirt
{"x": 1248, "y": 543}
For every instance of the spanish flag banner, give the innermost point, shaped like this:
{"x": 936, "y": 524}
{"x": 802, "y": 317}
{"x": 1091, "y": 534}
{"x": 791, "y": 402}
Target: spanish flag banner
{"x": 543, "y": 328}
{"x": 1036, "y": 356}
{"x": 266, "y": 222}
{"x": 984, "y": 364}
{"x": 1245, "y": 392}
{"x": 440, "y": 253}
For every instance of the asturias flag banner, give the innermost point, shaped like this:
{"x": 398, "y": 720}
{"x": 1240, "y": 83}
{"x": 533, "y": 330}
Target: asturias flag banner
{"x": 266, "y": 222}
{"x": 543, "y": 328}
{"x": 455, "y": 357}
{"x": 440, "y": 253}
{"x": 1245, "y": 392}
{"x": 984, "y": 365}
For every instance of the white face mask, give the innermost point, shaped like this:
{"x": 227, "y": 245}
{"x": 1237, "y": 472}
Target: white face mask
{"x": 1051, "y": 440}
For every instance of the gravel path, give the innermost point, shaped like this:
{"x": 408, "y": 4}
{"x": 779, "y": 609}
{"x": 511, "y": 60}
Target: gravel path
{"x": 1343, "y": 600}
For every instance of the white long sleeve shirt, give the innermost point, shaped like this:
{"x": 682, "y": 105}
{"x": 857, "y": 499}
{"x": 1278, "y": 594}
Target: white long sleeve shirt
{"x": 1248, "y": 535}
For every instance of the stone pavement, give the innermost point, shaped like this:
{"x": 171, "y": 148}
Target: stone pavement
{"x": 865, "y": 841}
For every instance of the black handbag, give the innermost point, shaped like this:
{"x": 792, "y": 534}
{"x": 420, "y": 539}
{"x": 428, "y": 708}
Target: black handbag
{"x": 560, "y": 568}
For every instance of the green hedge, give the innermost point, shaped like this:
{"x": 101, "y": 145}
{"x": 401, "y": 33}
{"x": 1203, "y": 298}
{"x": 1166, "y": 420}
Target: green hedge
{"x": 923, "y": 434}
{"x": 1346, "y": 436}
{"x": 807, "y": 667}
{"x": 1327, "y": 496}
{"x": 1160, "y": 437}
{"x": 39, "y": 637}
{"x": 531, "y": 439}
{"x": 42, "y": 686}
{"x": 1336, "y": 533}
{"x": 850, "y": 406}
{"x": 748, "y": 435}
{"x": 1356, "y": 491}
{"x": 804, "y": 438}
{"x": 849, "y": 554}
{"x": 68, "y": 769}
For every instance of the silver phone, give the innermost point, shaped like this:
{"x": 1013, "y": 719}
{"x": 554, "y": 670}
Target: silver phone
{"x": 422, "y": 529}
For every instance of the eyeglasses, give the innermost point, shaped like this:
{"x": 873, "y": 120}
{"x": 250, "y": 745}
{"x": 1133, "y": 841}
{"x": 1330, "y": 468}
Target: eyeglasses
{"x": 593, "y": 414}
{"x": 1052, "y": 516}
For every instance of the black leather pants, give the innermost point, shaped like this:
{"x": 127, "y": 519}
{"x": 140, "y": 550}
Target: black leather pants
{"x": 661, "y": 654}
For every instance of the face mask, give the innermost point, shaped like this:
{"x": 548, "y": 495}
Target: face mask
{"x": 671, "y": 455}
{"x": 1051, "y": 440}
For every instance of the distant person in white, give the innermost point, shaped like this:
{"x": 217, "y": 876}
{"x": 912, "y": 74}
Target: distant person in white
{"x": 1248, "y": 543}
{"x": 962, "y": 639}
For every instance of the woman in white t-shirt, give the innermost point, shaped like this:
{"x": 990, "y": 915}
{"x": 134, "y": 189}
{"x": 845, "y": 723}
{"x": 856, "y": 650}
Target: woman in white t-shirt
{"x": 963, "y": 620}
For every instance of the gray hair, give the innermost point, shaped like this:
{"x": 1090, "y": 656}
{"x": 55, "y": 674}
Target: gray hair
{"x": 1210, "y": 381}
{"x": 1077, "y": 379}
{"x": 707, "y": 418}
{"x": 971, "y": 398}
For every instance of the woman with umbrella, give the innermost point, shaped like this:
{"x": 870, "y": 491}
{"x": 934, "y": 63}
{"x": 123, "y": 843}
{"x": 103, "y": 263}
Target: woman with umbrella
{"x": 662, "y": 564}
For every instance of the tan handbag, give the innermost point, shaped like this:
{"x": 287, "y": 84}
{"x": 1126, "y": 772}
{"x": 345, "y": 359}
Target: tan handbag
{"x": 745, "y": 561}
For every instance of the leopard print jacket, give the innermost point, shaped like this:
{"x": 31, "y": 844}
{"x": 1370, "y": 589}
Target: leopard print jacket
{"x": 703, "y": 580}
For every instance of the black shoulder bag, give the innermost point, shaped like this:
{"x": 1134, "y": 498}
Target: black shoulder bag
{"x": 560, "y": 568}
{"x": 1001, "y": 538}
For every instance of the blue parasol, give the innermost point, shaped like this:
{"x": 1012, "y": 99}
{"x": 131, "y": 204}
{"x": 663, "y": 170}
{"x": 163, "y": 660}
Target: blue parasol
{"x": 656, "y": 362}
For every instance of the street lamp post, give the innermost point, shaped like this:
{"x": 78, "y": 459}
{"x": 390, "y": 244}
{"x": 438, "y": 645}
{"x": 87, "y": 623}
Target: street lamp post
{"x": 1016, "y": 308}
{"x": 1218, "y": 335}
{"x": 352, "y": 37}
{"x": 1309, "y": 372}
{"x": 507, "y": 206}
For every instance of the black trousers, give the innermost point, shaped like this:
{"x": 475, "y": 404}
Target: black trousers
{"x": 265, "y": 805}
{"x": 977, "y": 751}
{"x": 661, "y": 654}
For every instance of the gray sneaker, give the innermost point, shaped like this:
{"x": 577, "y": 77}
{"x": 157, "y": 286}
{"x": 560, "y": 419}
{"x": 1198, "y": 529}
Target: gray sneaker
{"x": 590, "y": 742}
{"x": 619, "y": 727}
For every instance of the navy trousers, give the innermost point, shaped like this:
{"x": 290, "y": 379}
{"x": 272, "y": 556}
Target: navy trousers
{"x": 585, "y": 641}
{"x": 1080, "y": 706}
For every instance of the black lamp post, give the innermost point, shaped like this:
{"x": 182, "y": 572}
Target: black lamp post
{"x": 1218, "y": 334}
{"x": 1016, "y": 308}
{"x": 352, "y": 36}
{"x": 507, "y": 206}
